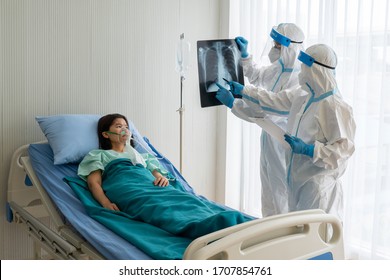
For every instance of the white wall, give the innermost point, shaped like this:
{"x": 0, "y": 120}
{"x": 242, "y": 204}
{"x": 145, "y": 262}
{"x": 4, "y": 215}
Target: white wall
{"x": 84, "y": 56}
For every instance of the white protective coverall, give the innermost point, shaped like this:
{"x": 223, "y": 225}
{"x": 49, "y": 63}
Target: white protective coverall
{"x": 318, "y": 115}
{"x": 281, "y": 74}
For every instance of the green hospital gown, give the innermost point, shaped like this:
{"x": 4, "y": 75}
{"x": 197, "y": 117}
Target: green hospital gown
{"x": 98, "y": 160}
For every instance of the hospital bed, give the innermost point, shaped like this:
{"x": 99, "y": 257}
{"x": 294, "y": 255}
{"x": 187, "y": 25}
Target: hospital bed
{"x": 46, "y": 207}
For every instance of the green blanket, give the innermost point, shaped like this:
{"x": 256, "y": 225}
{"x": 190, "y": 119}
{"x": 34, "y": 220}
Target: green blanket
{"x": 161, "y": 221}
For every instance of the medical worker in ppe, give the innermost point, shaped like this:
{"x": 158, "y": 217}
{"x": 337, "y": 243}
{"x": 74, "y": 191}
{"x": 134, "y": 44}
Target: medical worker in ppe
{"x": 320, "y": 131}
{"x": 278, "y": 73}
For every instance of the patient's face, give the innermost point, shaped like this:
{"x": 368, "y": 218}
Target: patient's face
{"x": 121, "y": 130}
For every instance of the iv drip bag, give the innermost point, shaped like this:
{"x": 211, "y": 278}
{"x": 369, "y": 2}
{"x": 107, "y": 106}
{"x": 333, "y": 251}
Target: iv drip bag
{"x": 182, "y": 56}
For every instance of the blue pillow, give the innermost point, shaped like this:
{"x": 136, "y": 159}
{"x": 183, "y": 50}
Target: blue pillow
{"x": 70, "y": 137}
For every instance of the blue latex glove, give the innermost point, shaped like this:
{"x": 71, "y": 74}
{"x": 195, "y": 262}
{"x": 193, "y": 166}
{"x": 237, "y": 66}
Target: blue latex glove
{"x": 298, "y": 146}
{"x": 235, "y": 87}
{"x": 242, "y": 44}
{"x": 225, "y": 96}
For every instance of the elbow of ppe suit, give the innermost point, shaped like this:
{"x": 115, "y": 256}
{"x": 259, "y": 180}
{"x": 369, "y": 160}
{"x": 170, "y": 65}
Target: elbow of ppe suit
{"x": 249, "y": 92}
{"x": 272, "y": 103}
{"x": 256, "y": 94}
{"x": 253, "y": 95}
{"x": 241, "y": 116}
{"x": 245, "y": 111}
{"x": 332, "y": 156}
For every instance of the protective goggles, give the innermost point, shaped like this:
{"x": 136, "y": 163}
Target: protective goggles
{"x": 308, "y": 60}
{"x": 281, "y": 39}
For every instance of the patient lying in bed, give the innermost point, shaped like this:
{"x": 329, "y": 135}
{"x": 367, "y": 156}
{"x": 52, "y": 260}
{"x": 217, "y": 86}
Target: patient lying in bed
{"x": 119, "y": 178}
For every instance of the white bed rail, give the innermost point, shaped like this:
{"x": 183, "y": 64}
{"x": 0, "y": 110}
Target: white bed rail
{"x": 20, "y": 187}
{"x": 296, "y": 235}
{"x": 49, "y": 240}
{"x": 28, "y": 203}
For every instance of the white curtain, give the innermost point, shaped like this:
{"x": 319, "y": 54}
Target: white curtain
{"x": 359, "y": 32}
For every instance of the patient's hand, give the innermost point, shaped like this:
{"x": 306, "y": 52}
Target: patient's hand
{"x": 111, "y": 206}
{"x": 160, "y": 180}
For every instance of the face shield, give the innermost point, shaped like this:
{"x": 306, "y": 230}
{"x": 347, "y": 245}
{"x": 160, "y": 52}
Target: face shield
{"x": 279, "y": 57}
{"x": 309, "y": 60}
{"x": 279, "y": 43}
{"x": 318, "y": 69}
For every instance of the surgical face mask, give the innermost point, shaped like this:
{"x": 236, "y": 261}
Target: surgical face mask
{"x": 274, "y": 54}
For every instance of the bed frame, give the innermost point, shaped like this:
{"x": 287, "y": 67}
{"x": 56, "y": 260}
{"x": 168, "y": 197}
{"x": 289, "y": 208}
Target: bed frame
{"x": 30, "y": 206}
{"x": 296, "y": 235}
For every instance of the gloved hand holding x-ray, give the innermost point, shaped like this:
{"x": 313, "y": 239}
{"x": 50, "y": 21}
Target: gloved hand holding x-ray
{"x": 242, "y": 44}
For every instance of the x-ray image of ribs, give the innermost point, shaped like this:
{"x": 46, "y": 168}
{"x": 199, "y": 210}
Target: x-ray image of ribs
{"x": 219, "y": 61}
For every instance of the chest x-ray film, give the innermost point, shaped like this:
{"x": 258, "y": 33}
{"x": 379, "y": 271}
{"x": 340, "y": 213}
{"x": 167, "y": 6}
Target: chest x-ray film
{"x": 217, "y": 60}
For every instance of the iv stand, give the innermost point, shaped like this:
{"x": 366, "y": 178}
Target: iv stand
{"x": 182, "y": 54}
{"x": 181, "y": 112}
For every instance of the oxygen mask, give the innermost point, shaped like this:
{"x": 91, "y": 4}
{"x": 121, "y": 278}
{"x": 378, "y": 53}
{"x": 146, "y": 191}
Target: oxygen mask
{"x": 123, "y": 134}
{"x": 126, "y": 135}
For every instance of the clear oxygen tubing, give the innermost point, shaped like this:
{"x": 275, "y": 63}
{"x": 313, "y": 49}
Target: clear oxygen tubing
{"x": 143, "y": 146}
{"x": 146, "y": 148}
{"x": 130, "y": 137}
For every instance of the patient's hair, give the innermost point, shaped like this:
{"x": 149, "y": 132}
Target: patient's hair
{"x": 104, "y": 125}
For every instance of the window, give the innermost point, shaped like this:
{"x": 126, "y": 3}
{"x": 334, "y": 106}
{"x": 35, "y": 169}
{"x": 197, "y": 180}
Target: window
{"x": 359, "y": 33}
